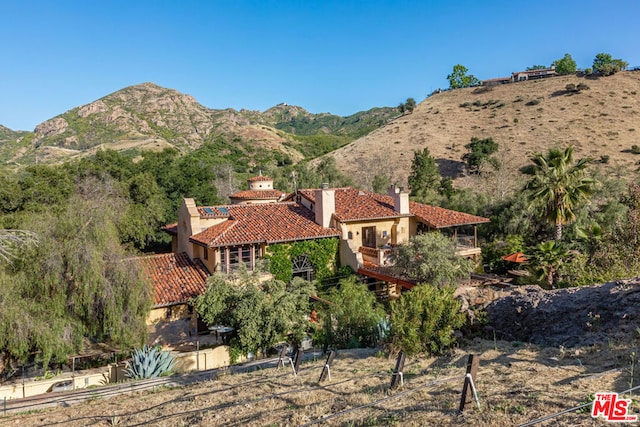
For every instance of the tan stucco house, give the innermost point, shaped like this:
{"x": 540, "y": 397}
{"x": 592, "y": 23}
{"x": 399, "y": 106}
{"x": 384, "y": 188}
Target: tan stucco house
{"x": 224, "y": 238}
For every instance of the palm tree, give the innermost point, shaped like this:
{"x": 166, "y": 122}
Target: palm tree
{"x": 559, "y": 185}
{"x": 545, "y": 260}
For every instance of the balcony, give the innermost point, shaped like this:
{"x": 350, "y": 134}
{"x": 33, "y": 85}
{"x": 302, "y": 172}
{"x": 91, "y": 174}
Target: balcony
{"x": 377, "y": 256}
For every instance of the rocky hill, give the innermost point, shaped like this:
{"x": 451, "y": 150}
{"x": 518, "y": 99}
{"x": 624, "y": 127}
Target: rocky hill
{"x": 148, "y": 116}
{"x": 602, "y": 122}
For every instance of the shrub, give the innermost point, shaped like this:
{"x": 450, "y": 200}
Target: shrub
{"x": 582, "y": 86}
{"x": 533, "y": 102}
{"x": 423, "y": 320}
{"x": 149, "y": 362}
{"x": 479, "y": 151}
{"x": 352, "y": 318}
{"x": 635, "y": 149}
{"x": 570, "y": 87}
{"x": 604, "y": 159}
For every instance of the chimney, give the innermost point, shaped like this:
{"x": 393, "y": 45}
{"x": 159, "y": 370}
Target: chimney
{"x": 188, "y": 225}
{"x": 400, "y": 199}
{"x": 325, "y": 205}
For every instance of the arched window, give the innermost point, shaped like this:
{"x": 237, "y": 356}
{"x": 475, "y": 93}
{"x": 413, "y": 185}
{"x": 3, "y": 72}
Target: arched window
{"x": 302, "y": 267}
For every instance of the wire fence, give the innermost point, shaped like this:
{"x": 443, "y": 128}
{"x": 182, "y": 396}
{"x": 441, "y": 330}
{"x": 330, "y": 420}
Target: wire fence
{"x": 567, "y": 411}
{"x": 379, "y": 401}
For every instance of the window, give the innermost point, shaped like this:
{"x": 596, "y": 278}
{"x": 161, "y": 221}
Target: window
{"x": 245, "y": 256}
{"x": 302, "y": 267}
{"x": 350, "y": 235}
{"x": 233, "y": 257}
{"x": 206, "y": 253}
{"x": 369, "y": 237}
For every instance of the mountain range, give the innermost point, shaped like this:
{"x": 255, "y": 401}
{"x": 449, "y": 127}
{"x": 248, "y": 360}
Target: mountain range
{"x": 601, "y": 121}
{"x": 147, "y": 116}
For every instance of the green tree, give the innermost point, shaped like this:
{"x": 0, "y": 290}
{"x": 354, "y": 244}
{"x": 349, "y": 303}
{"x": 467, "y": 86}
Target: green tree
{"x": 565, "y": 65}
{"x": 545, "y": 260}
{"x": 262, "y": 314}
{"x": 75, "y": 284}
{"x": 479, "y": 151}
{"x": 604, "y": 64}
{"x": 424, "y": 179}
{"x": 145, "y": 214}
{"x": 328, "y": 172}
{"x": 536, "y": 67}
{"x": 410, "y": 105}
{"x": 431, "y": 258}
{"x": 558, "y": 186}
{"x": 460, "y": 79}
{"x": 352, "y": 317}
{"x": 44, "y": 187}
{"x": 381, "y": 183}
{"x": 424, "y": 319}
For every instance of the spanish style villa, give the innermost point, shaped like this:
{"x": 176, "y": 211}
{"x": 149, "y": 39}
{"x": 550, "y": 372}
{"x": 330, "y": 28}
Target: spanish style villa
{"x": 212, "y": 239}
{"x": 368, "y": 226}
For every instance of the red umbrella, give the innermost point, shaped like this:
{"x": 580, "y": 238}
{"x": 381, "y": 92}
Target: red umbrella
{"x": 515, "y": 257}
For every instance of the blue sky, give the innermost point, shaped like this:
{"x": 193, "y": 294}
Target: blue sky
{"x": 326, "y": 56}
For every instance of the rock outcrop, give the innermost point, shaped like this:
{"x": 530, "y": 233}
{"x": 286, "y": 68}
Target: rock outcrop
{"x": 572, "y": 317}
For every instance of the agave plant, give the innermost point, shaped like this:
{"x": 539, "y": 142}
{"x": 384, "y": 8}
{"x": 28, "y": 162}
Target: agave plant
{"x": 149, "y": 362}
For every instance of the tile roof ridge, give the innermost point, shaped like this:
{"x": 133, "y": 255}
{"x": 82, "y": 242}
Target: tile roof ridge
{"x": 164, "y": 254}
{"x": 232, "y": 224}
{"x": 217, "y": 206}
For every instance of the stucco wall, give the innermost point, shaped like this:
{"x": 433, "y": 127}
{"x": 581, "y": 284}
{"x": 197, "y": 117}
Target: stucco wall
{"x": 401, "y": 226}
{"x": 174, "y": 312}
{"x": 209, "y": 358}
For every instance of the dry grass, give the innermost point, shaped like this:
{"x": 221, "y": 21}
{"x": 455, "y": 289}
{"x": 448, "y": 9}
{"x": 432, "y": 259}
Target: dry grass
{"x": 516, "y": 383}
{"x": 601, "y": 121}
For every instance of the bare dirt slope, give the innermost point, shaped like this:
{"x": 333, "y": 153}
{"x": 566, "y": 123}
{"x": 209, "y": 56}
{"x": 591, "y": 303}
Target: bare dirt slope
{"x": 522, "y": 118}
{"x": 594, "y": 341}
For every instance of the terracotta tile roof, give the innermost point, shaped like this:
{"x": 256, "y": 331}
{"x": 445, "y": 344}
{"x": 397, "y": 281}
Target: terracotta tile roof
{"x": 171, "y": 228}
{"x": 262, "y": 223}
{"x": 259, "y": 178}
{"x": 175, "y": 278}
{"x": 437, "y": 217}
{"x": 358, "y": 205}
{"x": 258, "y": 194}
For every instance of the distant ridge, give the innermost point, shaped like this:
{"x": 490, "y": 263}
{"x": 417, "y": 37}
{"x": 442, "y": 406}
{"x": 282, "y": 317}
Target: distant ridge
{"x": 602, "y": 122}
{"x": 150, "y": 117}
